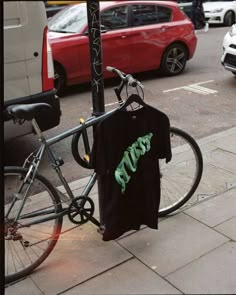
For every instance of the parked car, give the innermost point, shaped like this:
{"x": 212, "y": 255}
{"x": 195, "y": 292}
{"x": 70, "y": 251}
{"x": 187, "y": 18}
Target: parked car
{"x": 220, "y": 12}
{"x": 136, "y": 36}
{"x": 228, "y": 58}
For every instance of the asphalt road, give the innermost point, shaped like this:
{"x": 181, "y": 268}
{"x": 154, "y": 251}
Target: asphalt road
{"x": 201, "y": 101}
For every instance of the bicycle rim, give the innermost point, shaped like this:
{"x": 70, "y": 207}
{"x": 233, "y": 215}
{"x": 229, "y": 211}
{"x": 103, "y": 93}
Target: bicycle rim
{"x": 181, "y": 176}
{"x": 26, "y": 247}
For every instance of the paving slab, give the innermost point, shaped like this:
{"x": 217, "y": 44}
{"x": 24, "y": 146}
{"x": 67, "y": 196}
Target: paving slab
{"x": 79, "y": 255}
{"x": 218, "y": 175}
{"x": 222, "y": 159}
{"x": 208, "y": 185}
{"x": 228, "y": 144}
{"x": 223, "y": 136}
{"x": 225, "y": 140}
{"x": 24, "y": 287}
{"x": 206, "y": 148}
{"x": 131, "y": 277}
{"x": 215, "y": 210}
{"x": 179, "y": 240}
{"x": 213, "y": 273}
{"x": 228, "y": 228}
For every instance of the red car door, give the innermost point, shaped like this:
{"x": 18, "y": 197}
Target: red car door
{"x": 115, "y": 43}
{"x": 116, "y": 50}
{"x": 150, "y": 34}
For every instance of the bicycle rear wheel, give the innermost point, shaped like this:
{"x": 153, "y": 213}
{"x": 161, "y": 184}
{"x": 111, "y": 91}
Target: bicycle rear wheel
{"x": 181, "y": 176}
{"x": 28, "y": 241}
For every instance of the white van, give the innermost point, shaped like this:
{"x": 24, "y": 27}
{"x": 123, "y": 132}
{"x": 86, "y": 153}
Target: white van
{"x": 28, "y": 64}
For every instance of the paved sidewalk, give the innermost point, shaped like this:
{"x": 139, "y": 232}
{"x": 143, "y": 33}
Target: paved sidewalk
{"x": 193, "y": 252}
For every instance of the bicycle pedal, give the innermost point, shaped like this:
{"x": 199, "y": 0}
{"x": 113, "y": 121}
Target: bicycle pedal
{"x": 59, "y": 161}
{"x": 101, "y": 229}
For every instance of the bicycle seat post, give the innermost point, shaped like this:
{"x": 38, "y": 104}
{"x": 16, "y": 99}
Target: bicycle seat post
{"x": 37, "y": 130}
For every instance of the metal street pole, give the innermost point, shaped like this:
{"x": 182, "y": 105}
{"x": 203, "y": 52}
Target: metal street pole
{"x": 2, "y": 213}
{"x": 95, "y": 45}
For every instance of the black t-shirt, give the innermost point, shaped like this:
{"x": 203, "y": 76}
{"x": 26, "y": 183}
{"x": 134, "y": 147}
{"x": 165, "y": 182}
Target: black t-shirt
{"x": 127, "y": 146}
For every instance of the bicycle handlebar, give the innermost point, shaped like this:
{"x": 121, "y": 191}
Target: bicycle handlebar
{"x": 127, "y": 79}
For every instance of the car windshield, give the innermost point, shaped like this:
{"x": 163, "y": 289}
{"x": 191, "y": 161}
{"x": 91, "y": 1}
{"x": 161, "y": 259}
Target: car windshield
{"x": 70, "y": 20}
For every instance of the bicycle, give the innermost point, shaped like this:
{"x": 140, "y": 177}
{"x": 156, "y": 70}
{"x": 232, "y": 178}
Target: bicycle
{"x": 34, "y": 208}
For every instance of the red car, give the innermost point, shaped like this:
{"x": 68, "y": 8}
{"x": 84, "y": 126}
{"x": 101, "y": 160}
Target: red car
{"x": 136, "y": 36}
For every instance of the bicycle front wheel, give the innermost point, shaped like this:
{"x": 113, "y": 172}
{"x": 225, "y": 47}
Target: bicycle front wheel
{"x": 28, "y": 240}
{"x": 181, "y": 176}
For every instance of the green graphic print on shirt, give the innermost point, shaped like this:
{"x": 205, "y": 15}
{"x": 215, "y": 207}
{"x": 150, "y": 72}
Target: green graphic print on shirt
{"x": 130, "y": 159}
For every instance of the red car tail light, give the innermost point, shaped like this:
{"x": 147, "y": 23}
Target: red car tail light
{"x": 47, "y": 63}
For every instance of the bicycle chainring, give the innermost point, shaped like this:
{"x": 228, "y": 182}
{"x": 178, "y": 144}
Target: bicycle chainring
{"x": 81, "y": 210}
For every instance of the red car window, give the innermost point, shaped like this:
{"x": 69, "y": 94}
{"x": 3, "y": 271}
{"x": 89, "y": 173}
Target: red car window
{"x": 115, "y": 18}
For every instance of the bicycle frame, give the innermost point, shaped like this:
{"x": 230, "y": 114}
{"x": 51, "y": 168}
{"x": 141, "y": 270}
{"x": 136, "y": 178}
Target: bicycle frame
{"x": 55, "y": 163}
{"x": 46, "y": 143}
{"x": 37, "y": 158}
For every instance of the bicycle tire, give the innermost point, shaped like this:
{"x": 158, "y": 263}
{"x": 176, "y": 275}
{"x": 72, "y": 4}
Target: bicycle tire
{"x": 33, "y": 243}
{"x": 181, "y": 176}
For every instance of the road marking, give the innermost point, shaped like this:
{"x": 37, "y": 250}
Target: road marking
{"x": 195, "y": 88}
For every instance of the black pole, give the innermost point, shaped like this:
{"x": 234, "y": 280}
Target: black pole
{"x": 2, "y": 240}
{"x": 95, "y": 45}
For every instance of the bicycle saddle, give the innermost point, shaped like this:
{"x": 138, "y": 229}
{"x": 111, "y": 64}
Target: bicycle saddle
{"x": 27, "y": 111}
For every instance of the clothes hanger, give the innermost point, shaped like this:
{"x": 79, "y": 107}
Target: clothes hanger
{"x": 131, "y": 99}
